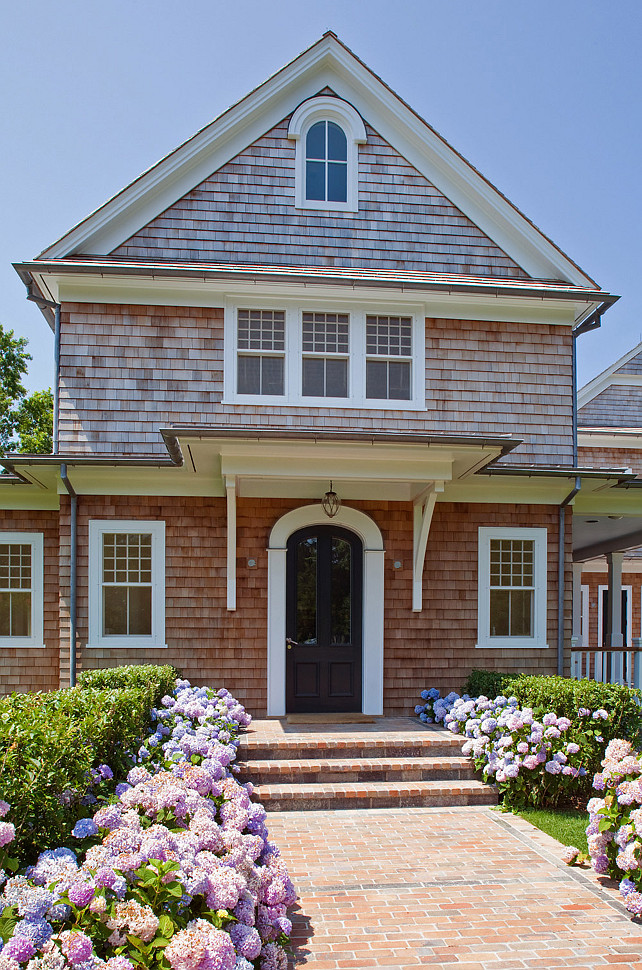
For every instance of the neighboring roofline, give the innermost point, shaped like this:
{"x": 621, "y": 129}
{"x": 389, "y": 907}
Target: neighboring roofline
{"x": 555, "y": 471}
{"x": 602, "y": 381}
{"x": 505, "y": 442}
{"x": 327, "y": 62}
{"x": 11, "y": 460}
{"x": 452, "y": 283}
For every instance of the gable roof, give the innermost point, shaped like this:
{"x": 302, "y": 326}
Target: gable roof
{"x": 328, "y": 63}
{"x": 625, "y": 371}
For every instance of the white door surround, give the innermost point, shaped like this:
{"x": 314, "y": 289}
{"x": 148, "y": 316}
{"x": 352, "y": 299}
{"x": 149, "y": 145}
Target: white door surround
{"x": 373, "y": 553}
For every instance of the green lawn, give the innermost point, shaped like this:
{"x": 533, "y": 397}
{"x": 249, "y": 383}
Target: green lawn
{"x": 567, "y": 826}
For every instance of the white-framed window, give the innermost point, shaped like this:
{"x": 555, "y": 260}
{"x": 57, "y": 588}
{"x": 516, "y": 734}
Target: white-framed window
{"x": 512, "y": 587}
{"x": 21, "y": 589}
{"x": 327, "y": 132}
{"x": 325, "y": 354}
{"x": 126, "y": 583}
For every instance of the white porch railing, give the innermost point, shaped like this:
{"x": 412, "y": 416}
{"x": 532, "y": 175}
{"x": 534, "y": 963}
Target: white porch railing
{"x": 609, "y": 666}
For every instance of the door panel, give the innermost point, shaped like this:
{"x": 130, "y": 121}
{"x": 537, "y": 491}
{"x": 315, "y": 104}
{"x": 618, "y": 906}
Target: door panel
{"x": 324, "y": 620}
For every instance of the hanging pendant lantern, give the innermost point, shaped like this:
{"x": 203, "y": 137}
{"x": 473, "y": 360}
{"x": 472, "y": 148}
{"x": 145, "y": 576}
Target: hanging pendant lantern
{"x": 331, "y": 503}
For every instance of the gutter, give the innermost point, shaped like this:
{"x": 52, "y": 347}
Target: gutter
{"x": 560, "y": 573}
{"x": 73, "y": 569}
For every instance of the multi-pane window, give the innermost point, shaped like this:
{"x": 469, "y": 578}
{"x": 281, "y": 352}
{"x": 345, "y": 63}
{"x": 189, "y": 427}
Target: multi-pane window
{"x": 325, "y": 343}
{"x": 388, "y": 357}
{"x": 326, "y": 163}
{"x": 127, "y": 584}
{"x": 21, "y": 589}
{"x": 16, "y": 580}
{"x": 261, "y": 351}
{"x": 512, "y": 587}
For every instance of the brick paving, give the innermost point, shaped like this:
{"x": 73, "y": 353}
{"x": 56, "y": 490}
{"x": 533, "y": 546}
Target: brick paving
{"x": 454, "y": 888}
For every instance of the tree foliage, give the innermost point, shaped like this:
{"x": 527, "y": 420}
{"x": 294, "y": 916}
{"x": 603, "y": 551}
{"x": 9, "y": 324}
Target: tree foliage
{"x": 26, "y": 421}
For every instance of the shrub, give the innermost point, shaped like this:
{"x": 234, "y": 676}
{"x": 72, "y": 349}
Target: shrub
{"x": 615, "y": 821}
{"x": 162, "y": 678}
{"x": 51, "y": 745}
{"x": 489, "y": 683}
{"x": 175, "y": 873}
{"x": 566, "y": 697}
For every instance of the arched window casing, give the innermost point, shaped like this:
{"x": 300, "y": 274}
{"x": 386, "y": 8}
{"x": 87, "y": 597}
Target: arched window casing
{"x": 327, "y": 132}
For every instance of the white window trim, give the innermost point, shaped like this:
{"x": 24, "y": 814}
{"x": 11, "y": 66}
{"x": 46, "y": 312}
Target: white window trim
{"x": 292, "y": 396}
{"x": 97, "y": 528}
{"x": 629, "y": 616}
{"x": 484, "y": 639}
{"x": 35, "y": 540}
{"x": 326, "y": 108}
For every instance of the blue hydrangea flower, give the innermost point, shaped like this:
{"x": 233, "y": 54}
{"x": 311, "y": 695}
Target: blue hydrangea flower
{"x": 83, "y": 828}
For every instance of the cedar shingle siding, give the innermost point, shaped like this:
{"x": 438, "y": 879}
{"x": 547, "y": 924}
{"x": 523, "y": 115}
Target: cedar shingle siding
{"x": 618, "y": 406}
{"x": 128, "y": 370}
{"x": 244, "y": 213}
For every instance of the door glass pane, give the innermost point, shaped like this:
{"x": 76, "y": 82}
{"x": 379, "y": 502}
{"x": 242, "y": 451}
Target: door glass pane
{"x": 340, "y": 592}
{"x": 306, "y": 591}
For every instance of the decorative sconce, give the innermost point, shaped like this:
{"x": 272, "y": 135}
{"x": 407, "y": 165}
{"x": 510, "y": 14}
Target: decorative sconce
{"x": 331, "y": 503}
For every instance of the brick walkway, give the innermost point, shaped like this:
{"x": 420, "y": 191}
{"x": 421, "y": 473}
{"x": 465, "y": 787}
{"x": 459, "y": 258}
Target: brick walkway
{"x": 458, "y": 889}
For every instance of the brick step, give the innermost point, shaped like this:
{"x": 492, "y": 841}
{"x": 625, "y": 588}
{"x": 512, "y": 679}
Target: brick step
{"x": 381, "y": 794}
{"x": 343, "y": 770}
{"x": 369, "y": 746}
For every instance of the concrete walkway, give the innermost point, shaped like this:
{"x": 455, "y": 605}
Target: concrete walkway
{"x": 454, "y": 888}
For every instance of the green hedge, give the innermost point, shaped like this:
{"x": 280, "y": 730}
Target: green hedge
{"x": 487, "y": 683}
{"x": 49, "y": 742}
{"x": 161, "y": 678}
{"x": 565, "y": 697}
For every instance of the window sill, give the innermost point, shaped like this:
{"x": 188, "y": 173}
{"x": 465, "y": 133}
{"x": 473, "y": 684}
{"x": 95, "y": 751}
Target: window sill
{"x": 16, "y": 645}
{"x": 334, "y": 403}
{"x": 125, "y": 646}
{"x": 516, "y": 644}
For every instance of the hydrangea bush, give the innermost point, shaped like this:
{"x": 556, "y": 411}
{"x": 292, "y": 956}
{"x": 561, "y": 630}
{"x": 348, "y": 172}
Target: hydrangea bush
{"x": 176, "y": 872}
{"x": 614, "y": 832}
{"x": 535, "y": 758}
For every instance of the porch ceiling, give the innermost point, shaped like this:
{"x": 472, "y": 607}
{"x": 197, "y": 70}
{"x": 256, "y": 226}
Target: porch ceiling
{"x": 597, "y": 535}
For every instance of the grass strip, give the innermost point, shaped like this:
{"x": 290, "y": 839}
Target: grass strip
{"x": 566, "y": 825}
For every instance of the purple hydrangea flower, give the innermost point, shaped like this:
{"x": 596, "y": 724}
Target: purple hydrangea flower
{"x": 39, "y": 931}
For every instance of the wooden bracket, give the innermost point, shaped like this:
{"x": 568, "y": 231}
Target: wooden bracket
{"x": 423, "y": 508}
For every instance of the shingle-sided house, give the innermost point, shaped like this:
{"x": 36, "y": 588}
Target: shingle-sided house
{"x": 314, "y": 294}
{"x": 610, "y": 435}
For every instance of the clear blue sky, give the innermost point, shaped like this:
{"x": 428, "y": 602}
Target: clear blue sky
{"x": 543, "y": 97}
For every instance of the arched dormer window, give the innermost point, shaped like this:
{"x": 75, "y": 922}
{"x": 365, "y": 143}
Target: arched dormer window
{"x": 327, "y": 132}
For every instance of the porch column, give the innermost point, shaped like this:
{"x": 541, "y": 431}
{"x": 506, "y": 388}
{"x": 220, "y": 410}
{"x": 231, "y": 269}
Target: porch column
{"x": 576, "y": 631}
{"x": 230, "y": 491}
{"x": 614, "y": 638}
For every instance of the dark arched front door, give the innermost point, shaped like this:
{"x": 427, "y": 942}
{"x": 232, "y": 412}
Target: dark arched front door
{"x": 324, "y": 620}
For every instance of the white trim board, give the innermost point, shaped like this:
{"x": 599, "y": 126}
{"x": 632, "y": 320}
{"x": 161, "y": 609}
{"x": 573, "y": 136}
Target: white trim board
{"x": 328, "y": 63}
{"x": 373, "y": 573}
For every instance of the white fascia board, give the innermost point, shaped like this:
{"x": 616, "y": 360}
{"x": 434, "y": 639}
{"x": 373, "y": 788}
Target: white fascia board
{"x": 603, "y": 380}
{"x": 88, "y": 288}
{"x": 606, "y": 438}
{"x": 328, "y": 63}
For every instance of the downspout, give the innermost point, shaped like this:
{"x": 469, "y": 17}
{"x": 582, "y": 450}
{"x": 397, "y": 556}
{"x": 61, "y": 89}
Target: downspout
{"x": 560, "y": 574}
{"x": 72, "y": 574}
